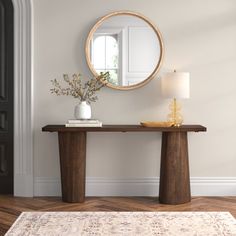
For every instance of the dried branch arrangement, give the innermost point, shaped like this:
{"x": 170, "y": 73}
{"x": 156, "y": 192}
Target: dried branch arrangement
{"x": 83, "y": 91}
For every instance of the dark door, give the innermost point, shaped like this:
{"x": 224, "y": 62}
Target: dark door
{"x": 6, "y": 96}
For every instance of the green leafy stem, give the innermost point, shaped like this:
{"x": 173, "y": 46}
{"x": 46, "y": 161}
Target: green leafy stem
{"x": 75, "y": 88}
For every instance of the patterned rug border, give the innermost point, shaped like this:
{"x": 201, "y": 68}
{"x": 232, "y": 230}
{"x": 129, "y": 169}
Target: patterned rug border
{"x": 226, "y": 213}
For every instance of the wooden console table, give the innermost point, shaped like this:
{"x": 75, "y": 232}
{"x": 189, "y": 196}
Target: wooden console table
{"x": 174, "y": 173}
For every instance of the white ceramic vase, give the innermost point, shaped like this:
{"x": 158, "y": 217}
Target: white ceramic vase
{"x": 83, "y": 111}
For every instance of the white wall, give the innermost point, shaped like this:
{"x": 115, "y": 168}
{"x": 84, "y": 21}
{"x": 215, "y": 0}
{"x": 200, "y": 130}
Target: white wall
{"x": 199, "y": 37}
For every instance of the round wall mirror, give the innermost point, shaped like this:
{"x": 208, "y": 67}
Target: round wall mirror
{"x": 128, "y": 46}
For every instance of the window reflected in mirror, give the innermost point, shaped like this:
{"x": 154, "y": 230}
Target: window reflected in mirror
{"x": 105, "y": 55}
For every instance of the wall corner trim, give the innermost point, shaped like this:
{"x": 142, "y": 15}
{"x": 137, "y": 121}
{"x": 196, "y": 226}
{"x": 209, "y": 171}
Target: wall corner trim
{"x": 23, "y": 90}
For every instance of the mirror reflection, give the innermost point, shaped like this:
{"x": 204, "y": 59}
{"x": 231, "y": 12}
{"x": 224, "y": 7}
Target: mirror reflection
{"x": 126, "y": 46}
{"x": 105, "y": 55}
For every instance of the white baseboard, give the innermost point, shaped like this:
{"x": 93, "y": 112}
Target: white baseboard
{"x": 200, "y": 186}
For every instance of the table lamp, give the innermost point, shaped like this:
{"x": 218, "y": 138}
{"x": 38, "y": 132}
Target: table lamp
{"x": 175, "y": 85}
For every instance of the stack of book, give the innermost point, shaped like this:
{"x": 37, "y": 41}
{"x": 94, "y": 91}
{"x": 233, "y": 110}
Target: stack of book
{"x": 83, "y": 123}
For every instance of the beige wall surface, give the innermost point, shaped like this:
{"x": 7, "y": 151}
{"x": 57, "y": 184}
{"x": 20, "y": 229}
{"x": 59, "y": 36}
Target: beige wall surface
{"x": 199, "y": 37}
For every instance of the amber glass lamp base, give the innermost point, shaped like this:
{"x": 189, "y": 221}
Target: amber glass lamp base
{"x": 175, "y": 116}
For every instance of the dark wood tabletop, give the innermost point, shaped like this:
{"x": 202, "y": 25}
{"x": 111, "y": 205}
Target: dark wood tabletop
{"x": 124, "y": 128}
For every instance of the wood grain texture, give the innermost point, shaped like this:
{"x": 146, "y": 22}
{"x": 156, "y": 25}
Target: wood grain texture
{"x": 11, "y": 207}
{"x": 72, "y": 149}
{"x": 124, "y": 128}
{"x": 174, "y": 180}
{"x": 174, "y": 173}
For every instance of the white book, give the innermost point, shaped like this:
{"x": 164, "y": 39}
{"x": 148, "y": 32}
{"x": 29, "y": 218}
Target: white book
{"x": 84, "y": 125}
{"x": 91, "y": 121}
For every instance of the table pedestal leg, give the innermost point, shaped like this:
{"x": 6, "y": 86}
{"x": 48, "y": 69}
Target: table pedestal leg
{"x": 72, "y": 148}
{"x": 174, "y": 176}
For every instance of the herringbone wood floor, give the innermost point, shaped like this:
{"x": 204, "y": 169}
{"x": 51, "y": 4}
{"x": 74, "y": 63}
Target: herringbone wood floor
{"x": 11, "y": 207}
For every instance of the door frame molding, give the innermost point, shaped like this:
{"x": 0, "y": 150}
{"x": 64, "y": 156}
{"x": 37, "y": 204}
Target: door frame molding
{"x": 23, "y": 98}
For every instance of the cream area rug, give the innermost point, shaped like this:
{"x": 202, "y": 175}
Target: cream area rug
{"x": 124, "y": 223}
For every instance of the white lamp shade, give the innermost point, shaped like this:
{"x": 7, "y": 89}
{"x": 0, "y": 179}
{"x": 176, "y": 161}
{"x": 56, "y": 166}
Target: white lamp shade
{"x": 175, "y": 85}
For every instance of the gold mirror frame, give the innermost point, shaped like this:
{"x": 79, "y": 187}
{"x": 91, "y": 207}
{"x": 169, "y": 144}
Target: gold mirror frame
{"x": 117, "y": 13}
